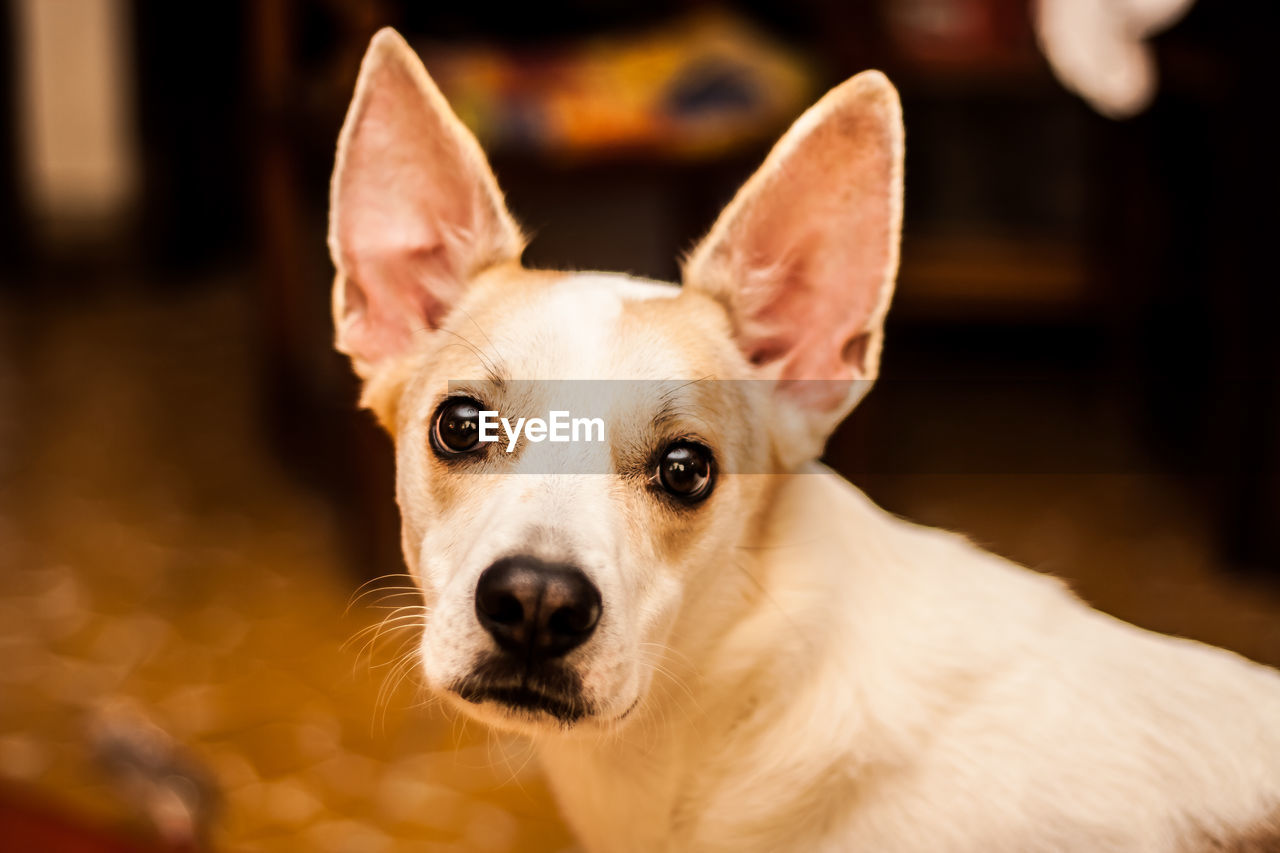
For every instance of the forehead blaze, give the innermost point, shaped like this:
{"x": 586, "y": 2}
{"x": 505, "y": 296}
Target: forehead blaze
{"x": 539, "y": 325}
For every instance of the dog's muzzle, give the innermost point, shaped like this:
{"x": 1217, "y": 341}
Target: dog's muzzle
{"x": 536, "y": 612}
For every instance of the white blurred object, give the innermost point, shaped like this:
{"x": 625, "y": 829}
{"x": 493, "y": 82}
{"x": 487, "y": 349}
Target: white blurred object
{"x": 1098, "y": 49}
{"x": 76, "y": 109}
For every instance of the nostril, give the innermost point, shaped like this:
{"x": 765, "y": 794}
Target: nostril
{"x": 506, "y": 595}
{"x": 502, "y": 608}
{"x": 574, "y": 619}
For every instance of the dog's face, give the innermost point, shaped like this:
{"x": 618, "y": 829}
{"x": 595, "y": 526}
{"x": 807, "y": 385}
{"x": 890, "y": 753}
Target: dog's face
{"x": 554, "y": 571}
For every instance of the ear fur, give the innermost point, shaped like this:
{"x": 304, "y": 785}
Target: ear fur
{"x": 415, "y": 211}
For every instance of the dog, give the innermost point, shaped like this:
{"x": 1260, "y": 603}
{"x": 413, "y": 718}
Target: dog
{"x": 715, "y": 643}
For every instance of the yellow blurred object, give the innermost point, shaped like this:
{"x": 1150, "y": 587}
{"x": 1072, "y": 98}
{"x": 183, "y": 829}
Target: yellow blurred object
{"x": 693, "y": 87}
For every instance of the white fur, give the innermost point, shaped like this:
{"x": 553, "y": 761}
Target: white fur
{"x": 892, "y": 688}
{"x": 783, "y": 666}
{"x": 849, "y": 681}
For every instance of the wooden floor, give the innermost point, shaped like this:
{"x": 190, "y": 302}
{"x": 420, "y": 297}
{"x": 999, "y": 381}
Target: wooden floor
{"x": 160, "y": 573}
{"x": 161, "y": 567}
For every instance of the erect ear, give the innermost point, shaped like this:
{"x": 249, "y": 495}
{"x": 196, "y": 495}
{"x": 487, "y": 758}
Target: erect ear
{"x": 804, "y": 257}
{"x": 414, "y": 212}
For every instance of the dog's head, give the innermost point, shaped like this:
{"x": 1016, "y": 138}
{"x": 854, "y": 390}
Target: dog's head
{"x": 553, "y": 573}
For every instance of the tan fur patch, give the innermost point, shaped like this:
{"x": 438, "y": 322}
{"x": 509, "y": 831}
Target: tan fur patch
{"x": 1261, "y": 837}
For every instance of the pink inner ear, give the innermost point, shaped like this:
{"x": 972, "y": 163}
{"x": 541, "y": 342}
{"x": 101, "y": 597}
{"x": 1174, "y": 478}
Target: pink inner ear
{"x": 805, "y": 255}
{"x": 411, "y": 298}
{"x": 814, "y": 255}
{"x": 391, "y": 204}
{"x": 415, "y": 209}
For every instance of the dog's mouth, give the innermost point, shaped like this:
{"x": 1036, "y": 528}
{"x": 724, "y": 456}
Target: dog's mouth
{"x": 523, "y": 698}
{"x": 555, "y": 691}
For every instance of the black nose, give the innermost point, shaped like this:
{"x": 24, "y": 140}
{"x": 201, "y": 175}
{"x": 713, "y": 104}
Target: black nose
{"x": 537, "y": 610}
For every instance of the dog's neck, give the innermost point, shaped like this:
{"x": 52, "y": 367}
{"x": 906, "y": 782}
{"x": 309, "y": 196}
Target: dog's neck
{"x": 640, "y": 776}
{"x": 749, "y": 630}
{"x": 855, "y": 618}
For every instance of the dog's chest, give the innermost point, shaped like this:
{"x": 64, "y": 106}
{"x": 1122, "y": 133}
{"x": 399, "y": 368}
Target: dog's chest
{"x": 689, "y": 788}
{"x": 619, "y": 799}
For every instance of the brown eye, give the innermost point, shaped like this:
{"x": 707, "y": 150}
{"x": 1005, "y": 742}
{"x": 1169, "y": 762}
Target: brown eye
{"x": 456, "y": 429}
{"x": 684, "y": 470}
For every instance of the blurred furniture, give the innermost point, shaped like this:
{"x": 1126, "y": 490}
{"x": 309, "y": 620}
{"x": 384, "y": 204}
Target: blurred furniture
{"x": 1039, "y": 236}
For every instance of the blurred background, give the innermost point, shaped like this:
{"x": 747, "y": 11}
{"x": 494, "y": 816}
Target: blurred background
{"x": 1082, "y": 369}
